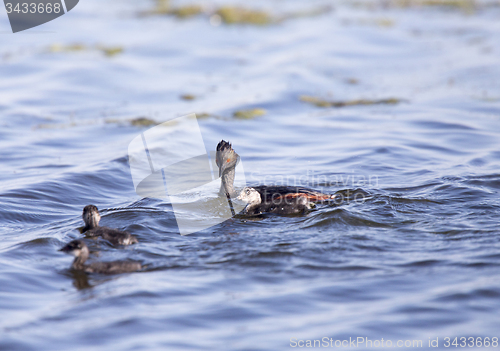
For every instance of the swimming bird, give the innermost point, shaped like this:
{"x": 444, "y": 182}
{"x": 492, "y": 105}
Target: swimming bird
{"x": 263, "y": 198}
{"x": 91, "y": 217}
{"x": 81, "y": 252}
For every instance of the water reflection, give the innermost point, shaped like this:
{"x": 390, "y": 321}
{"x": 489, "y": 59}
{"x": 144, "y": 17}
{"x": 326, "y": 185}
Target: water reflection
{"x": 80, "y": 279}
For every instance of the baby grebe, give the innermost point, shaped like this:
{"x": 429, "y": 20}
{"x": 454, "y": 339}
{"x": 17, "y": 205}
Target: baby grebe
{"x": 91, "y": 217}
{"x": 81, "y": 252}
{"x": 264, "y": 199}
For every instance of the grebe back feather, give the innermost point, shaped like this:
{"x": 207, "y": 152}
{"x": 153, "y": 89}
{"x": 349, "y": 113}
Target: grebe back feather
{"x": 91, "y": 217}
{"x": 79, "y": 249}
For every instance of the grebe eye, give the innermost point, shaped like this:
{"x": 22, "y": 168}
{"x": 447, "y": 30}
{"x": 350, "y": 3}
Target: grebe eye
{"x": 228, "y": 160}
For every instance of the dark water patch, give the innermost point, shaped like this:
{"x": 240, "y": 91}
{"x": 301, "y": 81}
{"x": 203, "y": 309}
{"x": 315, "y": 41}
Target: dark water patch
{"x": 343, "y": 217}
{"x": 446, "y": 126}
{"x": 473, "y": 295}
{"x": 437, "y": 149}
{"x": 487, "y": 181}
{"x": 309, "y": 267}
{"x": 425, "y": 263}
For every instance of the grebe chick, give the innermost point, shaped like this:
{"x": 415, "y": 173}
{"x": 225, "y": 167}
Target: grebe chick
{"x": 81, "y": 252}
{"x": 261, "y": 199}
{"x": 91, "y": 217}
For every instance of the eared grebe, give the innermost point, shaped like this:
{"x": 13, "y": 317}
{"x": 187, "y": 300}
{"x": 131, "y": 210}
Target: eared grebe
{"x": 91, "y": 217}
{"x": 264, "y": 199}
{"x": 81, "y": 252}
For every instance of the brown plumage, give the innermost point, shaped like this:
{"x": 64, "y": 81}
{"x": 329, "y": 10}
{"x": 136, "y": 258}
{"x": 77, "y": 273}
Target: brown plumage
{"x": 263, "y": 198}
{"x": 91, "y": 217}
{"x": 80, "y": 250}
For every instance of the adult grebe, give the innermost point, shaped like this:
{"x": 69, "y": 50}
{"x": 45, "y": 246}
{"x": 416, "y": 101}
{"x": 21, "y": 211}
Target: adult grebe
{"x": 81, "y": 252}
{"x": 226, "y": 159}
{"x": 264, "y": 199}
{"x": 91, "y": 217}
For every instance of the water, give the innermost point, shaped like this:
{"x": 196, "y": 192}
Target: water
{"x": 417, "y": 259}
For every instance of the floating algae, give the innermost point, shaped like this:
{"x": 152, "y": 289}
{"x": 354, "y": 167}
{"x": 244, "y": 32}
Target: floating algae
{"x": 352, "y": 81}
{"x": 459, "y": 4}
{"x": 240, "y": 15}
{"x": 162, "y": 7}
{"x": 467, "y": 6}
{"x": 54, "y": 126}
{"x": 321, "y": 10}
{"x": 186, "y": 11}
{"x": 378, "y": 22}
{"x": 143, "y": 122}
{"x": 326, "y": 103}
{"x": 249, "y": 114}
{"x": 188, "y": 97}
{"x": 110, "y": 50}
{"x": 229, "y": 14}
{"x": 204, "y": 115}
{"x": 67, "y": 48}
{"x": 106, "y": 50}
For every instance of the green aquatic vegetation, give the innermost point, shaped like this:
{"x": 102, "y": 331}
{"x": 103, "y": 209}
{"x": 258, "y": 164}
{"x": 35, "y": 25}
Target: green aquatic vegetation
{"x": 467, "y": 6}
{"x": 204, "y": 115}
{"x": 229, "y": 14}
{"x": 327, "y": 103}
{"x": 186, "y": 11}
{"x": 241, "y": 15}
{"x": 67, "y": 48}
{"x": 315, "y": 101}
{"x": 163, "y": 7}
{"x": 71, "y": 124}
{"x": 109, "y": 51}
{"x": 188, "y": 97}
{"x": 249, "y": 114}
{"x": 140, "y": 122}
{"x": 384, "y": 22}
{"x": 54, "y": 126}
{"x": 352, "y": 81}
{"x": 459, "y": 4}
{"x": 321, "y": 10}
{"x": 143, "y": 122}
{"x": 378, "y": 22}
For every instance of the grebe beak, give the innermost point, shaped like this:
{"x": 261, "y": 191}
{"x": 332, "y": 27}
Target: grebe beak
{"x": 65, "y": 248}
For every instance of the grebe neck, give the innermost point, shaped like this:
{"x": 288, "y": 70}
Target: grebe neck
{"x": 227, "y": 183}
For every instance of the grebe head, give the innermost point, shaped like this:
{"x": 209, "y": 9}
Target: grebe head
{"x": 226, "y": 158}
{"x": 76, "y": 248}
{"x": 91, "y": 216}
{"x": 250, "y": 195}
